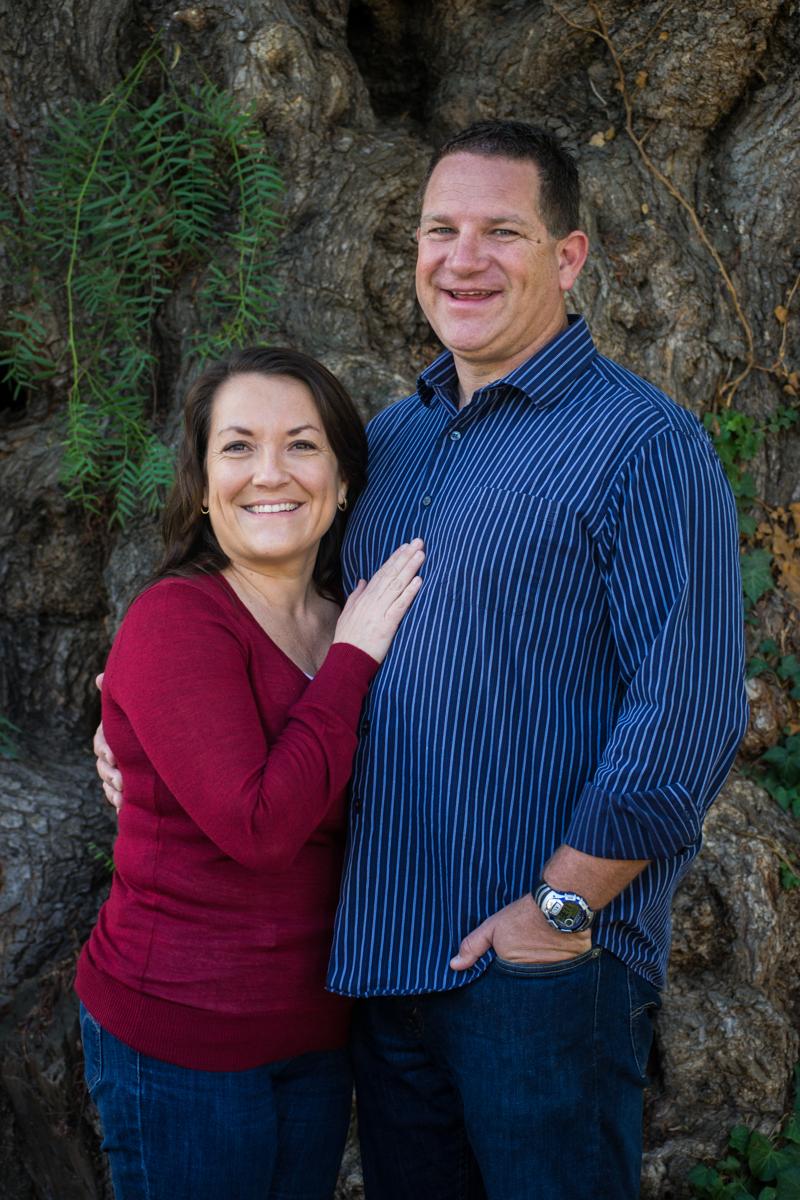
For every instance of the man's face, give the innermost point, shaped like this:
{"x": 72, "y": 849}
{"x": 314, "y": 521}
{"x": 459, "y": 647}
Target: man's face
{"x": 490, "y": 278}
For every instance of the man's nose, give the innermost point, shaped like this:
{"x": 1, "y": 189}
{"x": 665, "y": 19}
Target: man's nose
{"x": 466, "y": 252}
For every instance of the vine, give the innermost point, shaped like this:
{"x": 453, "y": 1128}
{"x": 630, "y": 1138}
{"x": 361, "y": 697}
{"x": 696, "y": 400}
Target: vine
{"x": 778, "y": 368}
{"x": 137, "y": 201}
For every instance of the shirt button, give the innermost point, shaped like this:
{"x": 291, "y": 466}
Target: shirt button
{"x": 365, "y": 727}
{"x": 356, "y": 804}
{"x": 455, "y": 436}
{"x": 426, "y": 500}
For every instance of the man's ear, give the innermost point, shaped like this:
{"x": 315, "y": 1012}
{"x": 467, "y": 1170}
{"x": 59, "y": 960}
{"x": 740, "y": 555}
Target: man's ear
{"x": 572, "y": 252}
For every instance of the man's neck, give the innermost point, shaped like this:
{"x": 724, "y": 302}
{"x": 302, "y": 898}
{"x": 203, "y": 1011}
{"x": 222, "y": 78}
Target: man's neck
{"x": 474, "y": 375}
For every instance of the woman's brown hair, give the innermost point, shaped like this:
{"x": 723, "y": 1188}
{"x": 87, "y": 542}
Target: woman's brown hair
{"x": 190, "y": 546}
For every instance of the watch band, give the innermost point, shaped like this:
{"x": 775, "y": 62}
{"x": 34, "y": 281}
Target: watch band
{"x": 565, "y": 911}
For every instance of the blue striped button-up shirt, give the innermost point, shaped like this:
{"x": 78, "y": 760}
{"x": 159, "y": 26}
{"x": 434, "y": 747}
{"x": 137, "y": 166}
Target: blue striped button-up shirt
{"x": 571, "y": 671}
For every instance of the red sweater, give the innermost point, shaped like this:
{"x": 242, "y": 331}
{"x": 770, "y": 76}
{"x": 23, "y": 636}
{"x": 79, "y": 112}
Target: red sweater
{"x": 212, "y": 948}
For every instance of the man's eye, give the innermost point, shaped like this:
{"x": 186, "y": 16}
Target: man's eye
{"x": 440, "y": 230}
{"x": 505, "y": 233}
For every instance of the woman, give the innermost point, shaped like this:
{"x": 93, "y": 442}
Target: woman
{"x": 231, "y": 700}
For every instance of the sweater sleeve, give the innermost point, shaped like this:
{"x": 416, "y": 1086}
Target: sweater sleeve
{"x": 179, "y": 672}
{"x": 674, "y": 596}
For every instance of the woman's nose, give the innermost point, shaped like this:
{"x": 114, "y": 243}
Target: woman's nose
{"x": 269, "y": 469}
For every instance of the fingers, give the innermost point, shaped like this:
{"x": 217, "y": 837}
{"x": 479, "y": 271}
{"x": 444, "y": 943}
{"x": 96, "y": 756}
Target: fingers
{"x": 356, "y": 592}
{"x": 392, "y": 579}
{"x": 108, "y": 775}
{"x": 102, "y": 749}
{"x": 394, "y": 576}
{"x": 370, "y": 618}
{"x": 474, "y": 945}
{"x": 113, "y": 797}
{"x": 401, "y": 604}
{"x": 98, "y": 680}
{"x": 400, "y": 566}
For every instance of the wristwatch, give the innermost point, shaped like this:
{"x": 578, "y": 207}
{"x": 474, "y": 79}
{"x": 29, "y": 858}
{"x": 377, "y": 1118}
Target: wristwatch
{"x": 566, "y": 911}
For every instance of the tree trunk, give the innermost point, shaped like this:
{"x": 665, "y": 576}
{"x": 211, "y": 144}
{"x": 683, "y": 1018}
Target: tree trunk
{"x": 352, "y": 96}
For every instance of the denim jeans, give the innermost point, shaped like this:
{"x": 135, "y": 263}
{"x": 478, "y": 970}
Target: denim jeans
{"x": 524, "y": 1085}
{"x": 271, "y": 1133}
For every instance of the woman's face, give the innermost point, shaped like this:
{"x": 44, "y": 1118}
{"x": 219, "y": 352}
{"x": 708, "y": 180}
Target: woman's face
{"x": 272, "y": 481}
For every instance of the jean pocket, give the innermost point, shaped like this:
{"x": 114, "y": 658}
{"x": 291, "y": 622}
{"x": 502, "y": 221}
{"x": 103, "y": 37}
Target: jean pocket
{"x": 92, "y": 1042}
{"x": 549, "y": 969}
{"x": 644, "y": 1003}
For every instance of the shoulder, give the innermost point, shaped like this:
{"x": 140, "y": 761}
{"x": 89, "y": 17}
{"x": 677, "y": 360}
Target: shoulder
{"x": 394, "y": 415}
{"x": 624, "y": 420}
{"x": 640, "y": 405}
{"x": 181, "y": 603}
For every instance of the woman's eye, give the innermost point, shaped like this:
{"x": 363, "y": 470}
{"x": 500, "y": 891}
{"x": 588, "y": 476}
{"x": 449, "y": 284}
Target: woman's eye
{"x": 303, "y": 446}
{"x": 234, "y": 447}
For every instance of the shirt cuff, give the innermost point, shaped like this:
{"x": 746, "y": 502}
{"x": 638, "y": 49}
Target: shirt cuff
{"x": 342, "y": 681}
{"x": 656, "y": 824}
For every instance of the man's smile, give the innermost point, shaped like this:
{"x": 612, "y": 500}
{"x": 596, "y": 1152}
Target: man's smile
{"x": 471, "y": 293}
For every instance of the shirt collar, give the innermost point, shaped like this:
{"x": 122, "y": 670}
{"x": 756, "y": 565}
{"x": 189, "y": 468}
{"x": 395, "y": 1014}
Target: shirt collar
{"x": 541, "y": 378}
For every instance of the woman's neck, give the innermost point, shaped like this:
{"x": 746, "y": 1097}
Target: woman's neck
{"x": 287, "y": 594}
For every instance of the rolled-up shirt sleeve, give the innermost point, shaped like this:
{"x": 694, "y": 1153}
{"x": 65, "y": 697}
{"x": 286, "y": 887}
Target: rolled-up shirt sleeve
{"x": 670, "y": 553}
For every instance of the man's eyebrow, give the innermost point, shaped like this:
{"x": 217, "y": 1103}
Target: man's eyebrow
{"x": 507, "y": 219}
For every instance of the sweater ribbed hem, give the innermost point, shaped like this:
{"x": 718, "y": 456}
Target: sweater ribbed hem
{"x": 204, "y": 1040}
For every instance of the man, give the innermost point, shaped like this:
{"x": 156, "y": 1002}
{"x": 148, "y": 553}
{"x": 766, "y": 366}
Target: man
{"x": 558, "y": 710}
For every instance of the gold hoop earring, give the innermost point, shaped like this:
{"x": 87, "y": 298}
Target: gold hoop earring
{"x": 342, "y": 505}
{"x": 204, "y": 511}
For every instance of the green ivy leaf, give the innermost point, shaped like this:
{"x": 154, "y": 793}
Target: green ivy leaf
{"x": 739, "y": 1139}
{"x": 788, "y": 1185}
{"x": 730, "y": 1165}
{"x": 763, "y": 1158}
{"x": 756, "y": 574}
{"x": 704, "y": 1179}
{"x": 733, "y": 1191}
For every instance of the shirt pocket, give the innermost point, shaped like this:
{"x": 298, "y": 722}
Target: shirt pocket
{"x": 503, "y": 546}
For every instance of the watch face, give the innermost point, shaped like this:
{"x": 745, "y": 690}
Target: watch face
{"x": 570, "y": 914}
{"x": 565, "y": 913}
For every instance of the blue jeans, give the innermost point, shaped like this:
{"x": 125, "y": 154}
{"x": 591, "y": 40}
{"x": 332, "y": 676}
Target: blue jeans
{"x": 271, "y": 1133}
{"x": 524, "y": 1085}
